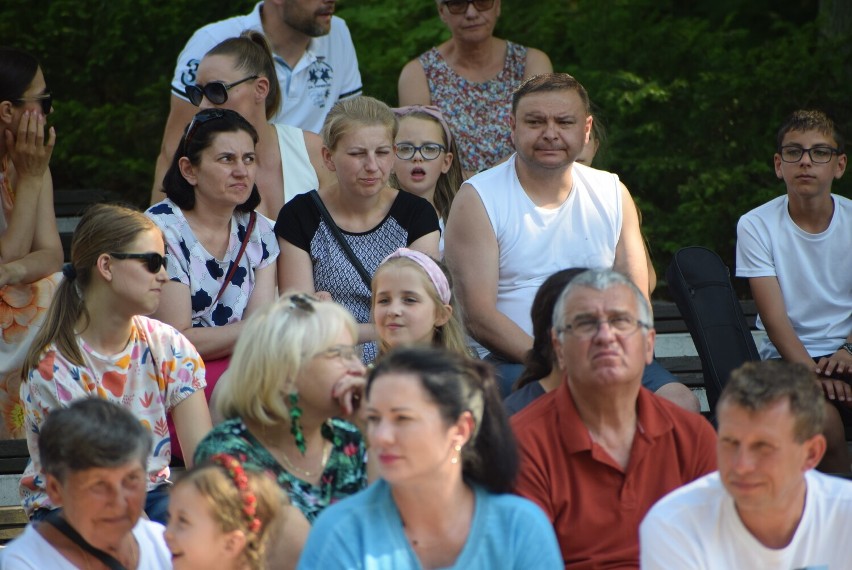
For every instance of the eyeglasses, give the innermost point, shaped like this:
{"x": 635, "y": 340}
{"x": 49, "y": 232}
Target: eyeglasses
{"x": 344, "y": 352}
{"x": 429, "y": 151}
{"x": 621, "y": 325}
{"x": 46, "y": 100}
{"x": 460, "y": 6}
{"x": 818, "y": 154}
{"x": 153, "y": 261}
{"x": 199, "y": 119}
{"x": 215, "y": 91}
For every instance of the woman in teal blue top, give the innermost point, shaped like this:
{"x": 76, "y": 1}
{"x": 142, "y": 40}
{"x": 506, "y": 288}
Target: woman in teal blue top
{"x": 447, "y": 460}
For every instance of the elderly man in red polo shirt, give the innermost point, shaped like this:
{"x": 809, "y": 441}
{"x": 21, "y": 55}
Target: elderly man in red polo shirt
{"x": 600, "y": 450}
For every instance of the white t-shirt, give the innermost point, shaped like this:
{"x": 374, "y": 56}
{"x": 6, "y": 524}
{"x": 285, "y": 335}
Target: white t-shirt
{"x": 31, "y": 551}
{"x": 327, "y": 72}
{"x": 536, "y": 242}
{"x": 814, "y": 271}
{"x": 697, "y": 527}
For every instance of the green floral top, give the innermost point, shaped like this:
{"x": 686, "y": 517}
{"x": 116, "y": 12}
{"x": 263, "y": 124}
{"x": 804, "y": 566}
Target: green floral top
{"x": 345, "y": 473}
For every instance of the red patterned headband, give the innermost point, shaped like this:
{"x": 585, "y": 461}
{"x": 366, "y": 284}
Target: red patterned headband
{"x": 433, "y": 112}
{"x": 235, "y": 471}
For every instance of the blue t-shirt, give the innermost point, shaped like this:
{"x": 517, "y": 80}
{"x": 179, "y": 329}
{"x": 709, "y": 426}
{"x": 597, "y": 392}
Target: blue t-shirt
{"x": 365, "y": 532}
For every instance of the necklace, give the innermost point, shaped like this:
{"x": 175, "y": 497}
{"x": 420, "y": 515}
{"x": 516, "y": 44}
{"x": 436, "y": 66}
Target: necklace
{"x": 326, "y": 453}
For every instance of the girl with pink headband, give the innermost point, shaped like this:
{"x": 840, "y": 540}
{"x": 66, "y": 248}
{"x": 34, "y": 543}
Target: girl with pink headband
{"x": 427, "y": 163}
{"x": 413, "y": 303}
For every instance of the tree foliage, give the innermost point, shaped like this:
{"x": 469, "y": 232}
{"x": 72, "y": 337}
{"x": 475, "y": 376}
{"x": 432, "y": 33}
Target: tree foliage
{"x": 691, "y": 92}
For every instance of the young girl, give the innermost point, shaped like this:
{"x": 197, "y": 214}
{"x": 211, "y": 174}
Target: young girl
{"x": 427, "y": 163}
{"x": 222, "y": 516}
{"x": 413, "y": 304}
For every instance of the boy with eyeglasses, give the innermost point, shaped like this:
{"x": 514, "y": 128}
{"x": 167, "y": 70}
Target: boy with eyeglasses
{"x": 795, "y": 252}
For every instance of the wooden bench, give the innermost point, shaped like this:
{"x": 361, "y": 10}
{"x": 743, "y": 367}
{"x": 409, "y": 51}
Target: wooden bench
{"x": 676, "y": 352}
{"x": 14, "y": 456}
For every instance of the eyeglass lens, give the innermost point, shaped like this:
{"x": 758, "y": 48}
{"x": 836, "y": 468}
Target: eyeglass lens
{"x": 818, "y": 154}
{"x": 215, "y": 91}
{"x": 429, "y": 151}
{"x": 460, "y": 6}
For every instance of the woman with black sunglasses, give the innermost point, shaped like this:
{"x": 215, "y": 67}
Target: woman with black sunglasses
{"x": 222, "y": 254}
{"x": 96, "y": 342}
{"x": 239, "y": 74}
{"x": 30, "y": 250}
{"x": 470, "y": 77}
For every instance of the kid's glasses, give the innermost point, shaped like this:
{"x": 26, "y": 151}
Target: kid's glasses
{"x": 460, "y": 6}
{"x": 215, "y": 91}
{"x": 818, "y": 154}
{"x": 429, "y": 151}
{"x": 45, "y": 99}
{"x": 153, "y": 261}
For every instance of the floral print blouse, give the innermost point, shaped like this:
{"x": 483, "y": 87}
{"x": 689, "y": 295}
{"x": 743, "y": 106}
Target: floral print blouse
{"x": 345, "y": 473}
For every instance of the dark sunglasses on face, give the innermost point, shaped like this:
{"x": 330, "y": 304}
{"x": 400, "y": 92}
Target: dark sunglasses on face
{"x": 153, "y": 261}
{"x": 45, "y": 99}
{"x": 215, "y": 91}
{"x": 460, "y": 6}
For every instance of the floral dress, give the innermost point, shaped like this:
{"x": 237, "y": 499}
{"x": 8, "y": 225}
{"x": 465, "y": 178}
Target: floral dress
{"x": 345, "y": 473}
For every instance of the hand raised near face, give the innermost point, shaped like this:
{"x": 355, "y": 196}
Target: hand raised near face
{"x": 29, "y": 149}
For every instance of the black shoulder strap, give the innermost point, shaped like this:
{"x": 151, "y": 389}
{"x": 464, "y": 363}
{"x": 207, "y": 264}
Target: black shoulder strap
{"x": 62, "y": 526}
{"x": 353, "y": 259}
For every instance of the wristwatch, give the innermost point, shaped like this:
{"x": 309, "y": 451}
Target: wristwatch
{"x": 847, "y": 346}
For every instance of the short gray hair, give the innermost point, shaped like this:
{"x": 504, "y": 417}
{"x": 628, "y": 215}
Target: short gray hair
{"x": 91, "y": 433}
{"x": 601, "y": 280}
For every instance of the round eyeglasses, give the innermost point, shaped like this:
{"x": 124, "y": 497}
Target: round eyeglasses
{"x": 460, "y": 6}
{"x": 215, "y": 91}
{"x": 818, "y": 154}
{"x": 586, "y": 328}
{"x": 429, "y": 151}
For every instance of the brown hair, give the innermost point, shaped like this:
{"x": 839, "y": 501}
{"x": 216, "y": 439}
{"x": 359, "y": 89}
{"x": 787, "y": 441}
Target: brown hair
{"x": 103, "y": 228}
{"x": 810, "y": 120}
{"x": 547, "y": 82}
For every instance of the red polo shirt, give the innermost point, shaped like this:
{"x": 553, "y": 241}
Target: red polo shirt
{"x": 596, "y": 507}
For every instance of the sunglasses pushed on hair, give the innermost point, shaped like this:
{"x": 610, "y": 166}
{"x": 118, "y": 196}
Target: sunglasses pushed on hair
{"x": 215, "y": 91}
{"x": 153, "y": 261}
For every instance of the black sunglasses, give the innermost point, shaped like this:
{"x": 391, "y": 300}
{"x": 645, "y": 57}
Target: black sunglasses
{"x": 153, "y": 261}
{"x": 46, "y": 100}
{"x": 215, "y": 91}
{"x": 460, "y": 6}
{"x": 199, "y": 119}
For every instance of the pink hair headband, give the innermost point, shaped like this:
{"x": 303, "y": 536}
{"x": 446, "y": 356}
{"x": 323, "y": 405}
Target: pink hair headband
{"x": 433, "y": 112}
{"x": 436, "y": 276}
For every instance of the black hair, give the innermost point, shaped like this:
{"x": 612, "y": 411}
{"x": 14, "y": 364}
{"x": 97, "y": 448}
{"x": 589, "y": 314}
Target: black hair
{"x": 539, "y": 360}
{"x": 811, "y": 120}
{"x": 211, "y": 122}
{"x": 459, "y": 384}
{"x": 17, "y": 70}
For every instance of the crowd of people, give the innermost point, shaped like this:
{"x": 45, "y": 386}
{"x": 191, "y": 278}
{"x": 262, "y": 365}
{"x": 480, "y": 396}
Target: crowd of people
{"x": 412, "y": 337}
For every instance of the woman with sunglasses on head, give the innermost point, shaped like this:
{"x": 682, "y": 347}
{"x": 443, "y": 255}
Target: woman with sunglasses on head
{"x": 447, "y": 461}
{"x": 333, "y": 240}
{"x": 239, "y": 74}
{"x": 471, "y": 77}
{"x": 295, "y": 380}
{"x": 30, "y": 250}
{"x": 96, "y": 342}
{"x": 221, "y": 252}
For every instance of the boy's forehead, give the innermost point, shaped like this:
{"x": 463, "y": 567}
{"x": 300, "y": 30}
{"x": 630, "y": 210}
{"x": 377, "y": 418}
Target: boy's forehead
{"x": 809, "y": 138}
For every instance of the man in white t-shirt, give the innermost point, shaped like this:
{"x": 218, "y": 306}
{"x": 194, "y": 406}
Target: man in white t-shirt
{"x": 512, "y": 226}
{"x": 795, "y": 252}
{"x": 766, "y": 507}
{"x": 314, "y": 58}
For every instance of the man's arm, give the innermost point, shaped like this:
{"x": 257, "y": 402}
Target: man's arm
{"x": 180, "y": 114}
{"x": 630, "y": 256}
{"x": 472, "y": 255}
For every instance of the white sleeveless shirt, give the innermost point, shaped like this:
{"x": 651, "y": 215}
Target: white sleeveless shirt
{"x": 299, "y": 175}
{"x": 536, "y": 242}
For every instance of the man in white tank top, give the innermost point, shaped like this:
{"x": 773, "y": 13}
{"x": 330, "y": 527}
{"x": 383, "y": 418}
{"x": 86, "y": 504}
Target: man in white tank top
{"x": 512, "y": 226}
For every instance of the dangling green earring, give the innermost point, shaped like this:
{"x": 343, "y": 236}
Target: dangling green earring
{"x": 295, "y": 423}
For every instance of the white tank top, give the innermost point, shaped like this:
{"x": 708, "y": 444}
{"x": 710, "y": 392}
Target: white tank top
{"x": 536, "y": 242}
{"x": 298, "y": 175}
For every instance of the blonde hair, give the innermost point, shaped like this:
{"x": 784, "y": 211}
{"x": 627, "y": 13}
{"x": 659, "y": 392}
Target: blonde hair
{"x": 451, "y": 334}
{"x": 103, "y": 228}
{"x": 273, "y": 347}
{"x": 226, "y": 503}
{"x": 449, "y": 182}
{"x": 358, "y": 111}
